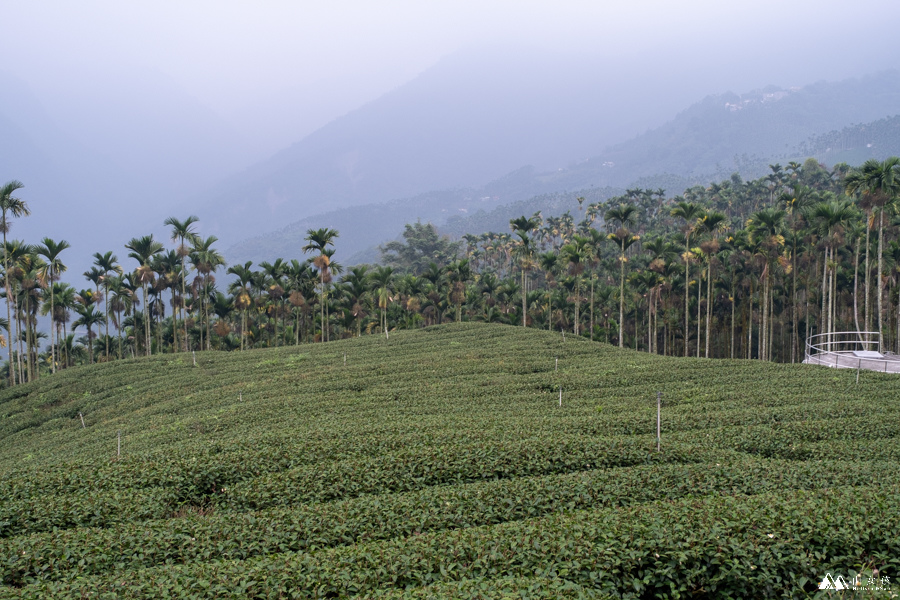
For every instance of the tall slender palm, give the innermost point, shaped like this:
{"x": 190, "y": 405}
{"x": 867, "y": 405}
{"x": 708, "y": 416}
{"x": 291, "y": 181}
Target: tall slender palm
{"x": 206, "y": 261}
{"x": 458, "y": 273}
{"x": 276, "y": 272}
{"x": 576, "y": 254}
{"x": 181, "y": 231}
{"x": 382, "y": 280}
{"x": 33, "y": 281}
{"x": 522, "y": 227}
{"x": 10, "y": 207}
{"x": 168, "y": 266}
{"x": 118, "y": 299}
{"x": 355, "y": 288}
{"x": 879, "y": 183}
{"x": 88, "y": 317}
{"x": 766, "y": 226}
{"x": 624, "y": 239}
{"x": 17, "y": 253}
{"x": 318, "y": 241}
{"x": 830, "y": 218}
{"x": 51, "y": 251}
{"x": 622, "y": 217}
{"x": 107, "y": 265}
{"x": 690, "y": 212}
{"x": 63, "y": 301}
{"x": 240, "y": 289}
{"x": 713, "y": 223}
{"x": 143, "y": 249}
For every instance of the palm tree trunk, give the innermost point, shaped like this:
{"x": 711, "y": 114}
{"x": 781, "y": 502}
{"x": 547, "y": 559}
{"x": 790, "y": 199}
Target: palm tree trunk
{"x": 322, "y": 306}
{"x": 205, "y": 305}
{"x": 524, "y": 298}
{"x": 29, "y": 343}
{"x": 750, "y": 324}
{"x": 708, "y": 303}
{"x": 829, "y": 253}
{"x": 795, "y": 345}
{"x": 592, "y": 306}
{"x": 19, "y": 341}
{"x": 764, "y": 329}
{"x": 105, "y": 315}
{"x": 699, "y": 296}
{"x": 732, "y": 317}
{"x": 878, "y": 283}
{"x": 687, "y": 280}
{"x": 52, "y": 316}
{"x": 174, "y": 324}
{"x": 183, "y": 299}
{"x": 621, "y": 300}
{"x": 867, "y": 272}
{"x": 824, "y": 314}
{"x": 147, "y": 350}
{"x": 9, "y": 346}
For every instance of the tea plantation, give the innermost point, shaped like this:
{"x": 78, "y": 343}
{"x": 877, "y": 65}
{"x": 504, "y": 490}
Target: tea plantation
{"x": 441, "y": 464}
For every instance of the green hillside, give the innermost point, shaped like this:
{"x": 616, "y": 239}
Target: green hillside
{"x": 442, "y": 463}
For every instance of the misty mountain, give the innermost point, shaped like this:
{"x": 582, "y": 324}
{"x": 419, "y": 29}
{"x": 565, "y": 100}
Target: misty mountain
{"x": 709, "y": 140}
{"x": 470, "y": 119}
{"x": 741, "y": 132}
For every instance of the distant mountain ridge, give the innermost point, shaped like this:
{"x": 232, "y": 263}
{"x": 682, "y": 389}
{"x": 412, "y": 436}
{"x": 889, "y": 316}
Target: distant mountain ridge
{"x": 466, "y": 121}
{"x": 709, "y": 140}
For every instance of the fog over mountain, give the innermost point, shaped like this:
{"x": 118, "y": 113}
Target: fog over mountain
{"x": 474, "y": 117}
{"x": 710, "y": 139}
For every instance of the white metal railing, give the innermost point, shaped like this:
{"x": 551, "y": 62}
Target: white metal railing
{"x": 848, "y": 350}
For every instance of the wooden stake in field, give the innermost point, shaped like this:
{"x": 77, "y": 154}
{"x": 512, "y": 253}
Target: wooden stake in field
{"x": 81, "y": 416}
{"x": 194, "y": 354}
{"x": 557, "y": 363}
{"x": 560, "y": 396}
{"x": 658, "y": 417}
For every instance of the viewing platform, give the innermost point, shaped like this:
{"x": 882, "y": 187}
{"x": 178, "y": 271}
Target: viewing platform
{"x": 850, "y": 350}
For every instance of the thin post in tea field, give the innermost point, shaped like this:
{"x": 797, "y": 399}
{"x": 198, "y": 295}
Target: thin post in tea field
{"x": 658, "y": 418}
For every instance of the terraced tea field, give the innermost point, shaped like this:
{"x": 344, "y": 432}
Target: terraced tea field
{"x": 440, "y": 464}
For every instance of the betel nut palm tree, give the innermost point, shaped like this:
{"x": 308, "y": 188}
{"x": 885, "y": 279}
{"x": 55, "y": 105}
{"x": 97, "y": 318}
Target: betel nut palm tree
{"x": 622, "y": 216}
{"x": 206, "y": 261}
{"x": 240, "y": 289}
{"x": 107, "y": 265}
{"x": 576, "y": 254}
{"x": 143, "y": 249}
{"x": 51, "y": 251}
{"x": 182, "y": 231}
{"x": 10, "y": 206}
{"x": 318, "y": 241}
{"x": 879, "y": 184}
{"x": 522, "y": 227}
{"x": 690, "y": 212}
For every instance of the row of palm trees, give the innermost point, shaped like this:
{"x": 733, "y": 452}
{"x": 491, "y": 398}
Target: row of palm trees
{"x": 736, "y": 269}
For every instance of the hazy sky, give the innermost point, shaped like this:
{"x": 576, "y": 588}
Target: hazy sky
{"x": 254, "y": 63}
